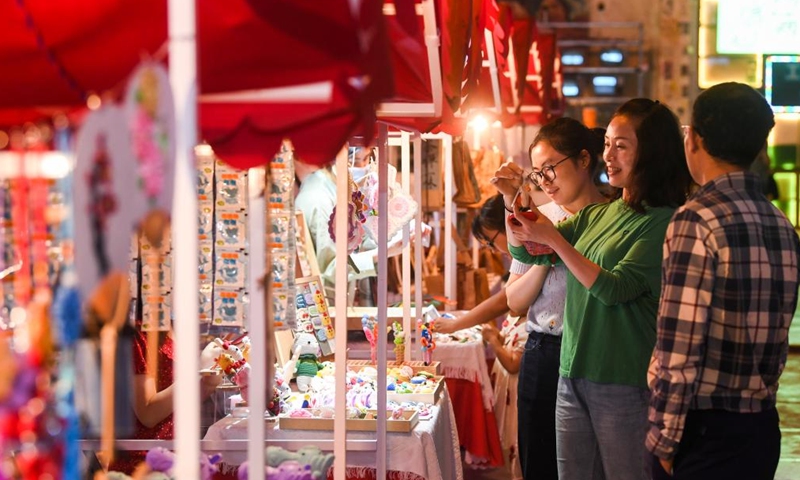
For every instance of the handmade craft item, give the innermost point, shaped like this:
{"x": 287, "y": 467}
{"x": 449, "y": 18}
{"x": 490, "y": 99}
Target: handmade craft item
{"x": 370, "y": 327}
{"x": 399, "y": 342}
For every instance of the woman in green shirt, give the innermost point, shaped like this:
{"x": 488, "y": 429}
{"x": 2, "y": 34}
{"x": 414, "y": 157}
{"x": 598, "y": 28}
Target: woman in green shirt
{"x": 613, "y": 253}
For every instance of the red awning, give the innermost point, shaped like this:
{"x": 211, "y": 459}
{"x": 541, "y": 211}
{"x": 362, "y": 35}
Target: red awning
{"x": 54, "y": 54}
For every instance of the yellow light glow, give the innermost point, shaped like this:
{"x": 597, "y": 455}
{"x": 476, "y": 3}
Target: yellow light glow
{"x": 479, "y": 123}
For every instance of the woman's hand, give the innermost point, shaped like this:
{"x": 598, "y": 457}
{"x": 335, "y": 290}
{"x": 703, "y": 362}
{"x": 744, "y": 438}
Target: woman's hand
{"x": 507, "y": 179}
{"x": 445, "y": 325}
{"x": 491, "y": 335}
{"x": 531, "y": 226}
{"x": 208, "y": 384}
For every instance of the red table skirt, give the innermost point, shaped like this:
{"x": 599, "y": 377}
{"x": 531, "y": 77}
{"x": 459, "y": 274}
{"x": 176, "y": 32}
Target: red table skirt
{"x": 477, "y": 427}
{"x": 353, "y": 473}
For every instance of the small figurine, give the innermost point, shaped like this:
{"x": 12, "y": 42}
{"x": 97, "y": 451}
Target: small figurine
{"x": 305, "y": 363}
{"x": 399, "y": 342}
{"x": 427, "y": 343}
{"x": 370, "y": 327}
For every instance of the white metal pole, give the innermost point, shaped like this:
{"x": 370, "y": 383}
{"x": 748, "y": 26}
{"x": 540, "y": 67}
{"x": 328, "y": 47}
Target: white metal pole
{"x": 449, "y": 221}
{"x": 383, "y": 297}
{"x": 183, "y": 77}
{"x": 340, "y": 322}
{"x": 417, "y": 245}
{"x": 261, "y": 376}
{"x": 405, "y": 162}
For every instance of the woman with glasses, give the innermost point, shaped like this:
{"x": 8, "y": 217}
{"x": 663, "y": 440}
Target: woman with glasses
{"x": 613, "y": 255}
{"x": 564, "y": 156}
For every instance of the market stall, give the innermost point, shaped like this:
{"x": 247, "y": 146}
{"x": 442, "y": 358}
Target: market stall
{"x": 244, "y": 107}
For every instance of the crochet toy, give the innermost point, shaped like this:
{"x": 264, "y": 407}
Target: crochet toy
{"x": 304, "y": 365}
{"x": 427, "y": 343}
{"x": 232, "y": 362}
{"x": 308, "y": 455}
{"x": 370, "y": 327}
{"x": 399, "y": 342}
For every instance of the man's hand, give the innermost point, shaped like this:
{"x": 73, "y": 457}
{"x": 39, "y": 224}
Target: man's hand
{"x": 666, "y": 465}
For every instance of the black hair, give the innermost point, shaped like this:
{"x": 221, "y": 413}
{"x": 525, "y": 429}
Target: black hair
{"x": 492, "y": 216}
{"x": 660, "y": 177}
{"x": 733, "y": 120}
{"x": 570, "y": 137}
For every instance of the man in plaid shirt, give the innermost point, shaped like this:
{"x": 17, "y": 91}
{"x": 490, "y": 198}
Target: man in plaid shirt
{"x": 729, "y": 291}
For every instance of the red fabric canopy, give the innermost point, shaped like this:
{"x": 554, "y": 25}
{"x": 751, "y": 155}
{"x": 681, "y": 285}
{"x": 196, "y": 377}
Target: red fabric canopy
{"x": 54, "y": 54}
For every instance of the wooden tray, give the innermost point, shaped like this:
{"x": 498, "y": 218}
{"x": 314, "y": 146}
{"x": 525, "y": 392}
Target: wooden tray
{"x": 432, "y": 398}
{"x": 417, "y": 366}
{"x": 405, "y": 425}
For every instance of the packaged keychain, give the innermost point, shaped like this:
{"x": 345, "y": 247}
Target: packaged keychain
{"x": 156, "y": 312}
{"x": 230, "y": 229}
{"x": 205, "y": 180}
{"x": 231, "y": 189}
{"x": 205, "y": 264}
{"x": 278, "y": 232}
{"x": 206, "y": 303}
{"x": 230, "y": 270}
{"x": 229, "y": 307}
{"x": 205, "y": 222}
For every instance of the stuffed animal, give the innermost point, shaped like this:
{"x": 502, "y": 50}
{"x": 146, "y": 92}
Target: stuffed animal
{"x": 232, "y": 362}
{"x": 304, "y": 365}
{"x": 308, "y": 455}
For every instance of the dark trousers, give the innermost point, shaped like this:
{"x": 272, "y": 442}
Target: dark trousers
{"x": 718, "y": 444}
{"x": 536, "y": 407}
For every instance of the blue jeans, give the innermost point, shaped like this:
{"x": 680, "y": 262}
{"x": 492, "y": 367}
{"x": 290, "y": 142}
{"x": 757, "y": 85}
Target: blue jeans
{"x": 600, "y": 431}
{"x": 536, "y": 407}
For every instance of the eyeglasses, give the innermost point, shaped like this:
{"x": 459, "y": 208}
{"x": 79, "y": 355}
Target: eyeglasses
{"x": 490, "y": 243}
{"x": 547, "y": 173}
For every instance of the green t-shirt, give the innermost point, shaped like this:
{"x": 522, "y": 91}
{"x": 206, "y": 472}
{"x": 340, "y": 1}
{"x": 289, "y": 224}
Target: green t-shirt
{"x": 610, "y": 329}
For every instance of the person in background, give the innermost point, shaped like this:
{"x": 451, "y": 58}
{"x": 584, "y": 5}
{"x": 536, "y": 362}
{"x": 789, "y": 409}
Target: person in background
{"x": 564, "y": 156}
{"x": 613, "y": 254}
{"x": 730, "y": 279}
{"x": 488, "y": 227}
{"x": 316, "y": 198}
{"x": 153, "y": 394}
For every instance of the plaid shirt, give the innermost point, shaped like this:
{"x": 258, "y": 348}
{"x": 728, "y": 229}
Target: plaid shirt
{"x": 729, "y": 291}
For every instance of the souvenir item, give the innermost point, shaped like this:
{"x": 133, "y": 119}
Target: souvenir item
{"x": 229, "y": 307}
{"x": 230, "y": 229}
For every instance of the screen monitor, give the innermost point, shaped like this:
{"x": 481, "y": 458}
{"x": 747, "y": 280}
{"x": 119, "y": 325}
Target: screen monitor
{"x": 570, "y": 88}
{"x": 605, "y": 85}
{"x": 760, "y": 27}
{"x": 572, "y": 57}
{"x": 782, "y": 82}
{"x": 612, "y": 56}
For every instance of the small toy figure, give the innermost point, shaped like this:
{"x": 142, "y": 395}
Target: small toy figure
{"x": 399, "y": 342}
{"x": 427, "y": 343}
{"x": 305, "y": 363}
{"x": 370, "y": 327}
{"x": 232, "y": 362}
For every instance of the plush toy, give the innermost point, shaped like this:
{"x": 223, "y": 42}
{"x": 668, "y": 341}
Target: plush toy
{"x": 232, "y": 362}
{"x": 304, "y": 365}
{"x": 309, "y": 455}
{"x": 399, "y": 342}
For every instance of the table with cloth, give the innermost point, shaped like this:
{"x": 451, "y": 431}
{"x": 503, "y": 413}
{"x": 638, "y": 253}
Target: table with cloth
{"x": 462, "y": 361}
{"x": 429, "y": 452}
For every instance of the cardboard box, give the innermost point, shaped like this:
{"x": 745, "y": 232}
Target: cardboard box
{"x": 405, "y": 425}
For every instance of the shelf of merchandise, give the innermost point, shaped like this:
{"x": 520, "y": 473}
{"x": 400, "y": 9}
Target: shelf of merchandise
{"x": 625, "y": 36}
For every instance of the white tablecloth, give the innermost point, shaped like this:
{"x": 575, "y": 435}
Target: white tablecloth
{"x": 431, "y": 450}
{"x": 465, "y": 360}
